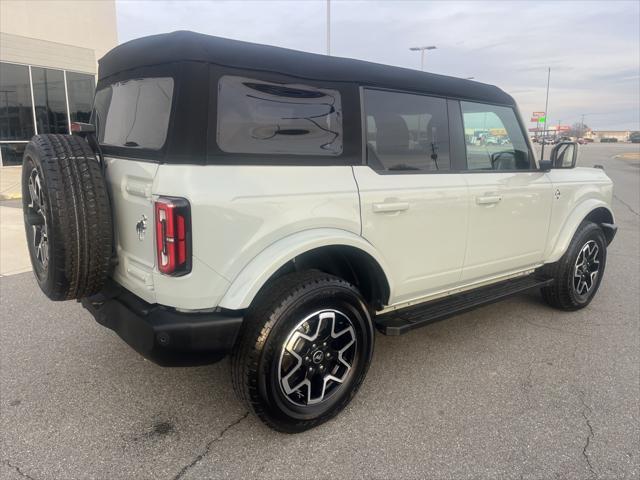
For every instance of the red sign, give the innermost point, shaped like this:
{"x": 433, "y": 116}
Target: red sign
{"x": 564, "y": 128}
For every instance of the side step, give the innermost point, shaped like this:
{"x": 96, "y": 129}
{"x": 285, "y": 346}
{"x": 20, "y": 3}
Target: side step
{"x": 409, "y": 318}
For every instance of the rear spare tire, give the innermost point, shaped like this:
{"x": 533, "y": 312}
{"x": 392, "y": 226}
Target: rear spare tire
{"x": 67, "y": 216}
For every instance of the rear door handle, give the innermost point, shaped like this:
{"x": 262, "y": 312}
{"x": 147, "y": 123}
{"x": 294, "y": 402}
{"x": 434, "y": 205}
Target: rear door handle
{"x": 387, "y": 207}
{"x": 488, "y": 199}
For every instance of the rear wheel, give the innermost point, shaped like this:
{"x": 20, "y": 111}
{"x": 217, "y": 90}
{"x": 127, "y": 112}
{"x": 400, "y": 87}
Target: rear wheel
{"x": 67, "y": 216}
{"x": 304, "y": 350}
{"x": 579, "y": 272}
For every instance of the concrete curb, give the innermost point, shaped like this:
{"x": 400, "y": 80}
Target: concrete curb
{"x": 10, "y": 196}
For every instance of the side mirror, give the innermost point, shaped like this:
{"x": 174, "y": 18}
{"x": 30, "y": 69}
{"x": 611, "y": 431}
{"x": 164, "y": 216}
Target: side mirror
{"x": 564, "y": 155}
{"x": 545, "y": 165}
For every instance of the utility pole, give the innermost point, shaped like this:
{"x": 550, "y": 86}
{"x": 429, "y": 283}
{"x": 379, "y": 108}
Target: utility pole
{"x": 546, "y": 112}
{"x": 582, "y": 125}
{"x": 328, "y": 27}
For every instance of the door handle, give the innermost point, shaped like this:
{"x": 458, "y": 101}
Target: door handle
{"x": 387, "y": 207}
{"x": 488, "y": 199}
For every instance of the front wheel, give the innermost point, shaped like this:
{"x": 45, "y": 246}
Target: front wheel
{"x": 579, "y": 272}
{"x": 304, "y": 350}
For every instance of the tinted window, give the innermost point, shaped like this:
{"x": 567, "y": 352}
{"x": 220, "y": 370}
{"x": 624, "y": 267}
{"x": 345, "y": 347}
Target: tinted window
{"x": 135, "y": 113}
{"x": 80, "y": 89}
{"x": 406, "y": 132}
{"x": 494, "y": 138}
{"x": 16, "y": 116}
{"x": 51, "y": 103}
{"x": 272, "y": 118}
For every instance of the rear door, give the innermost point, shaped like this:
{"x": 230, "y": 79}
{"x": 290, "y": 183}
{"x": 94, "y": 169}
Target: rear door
{"x": 132, "y": 117}
{"x": 509, "y": 198}
{"x": 414, "y": 206}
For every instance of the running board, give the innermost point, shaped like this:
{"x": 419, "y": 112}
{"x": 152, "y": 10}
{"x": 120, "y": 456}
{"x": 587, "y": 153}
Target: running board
{"x": 409, "y": 318}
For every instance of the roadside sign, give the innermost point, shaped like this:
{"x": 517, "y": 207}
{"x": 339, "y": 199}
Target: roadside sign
{"x": 537, "y": 114}
{"x": 542, "y": 119}
{"x": 564, "y": 128}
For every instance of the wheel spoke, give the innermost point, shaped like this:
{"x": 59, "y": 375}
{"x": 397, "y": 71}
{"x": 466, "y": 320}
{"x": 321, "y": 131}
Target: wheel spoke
{"x": 317, "y": 357}
{"x": 586, "y": 268}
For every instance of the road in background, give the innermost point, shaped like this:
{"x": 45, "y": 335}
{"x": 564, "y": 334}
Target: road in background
{"x": 511, "y": 390}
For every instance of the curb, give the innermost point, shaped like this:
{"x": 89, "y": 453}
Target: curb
{"x": 10, "y": 196}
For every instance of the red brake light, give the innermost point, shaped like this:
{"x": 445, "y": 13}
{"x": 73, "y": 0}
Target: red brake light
{"x": 173, "y": 235}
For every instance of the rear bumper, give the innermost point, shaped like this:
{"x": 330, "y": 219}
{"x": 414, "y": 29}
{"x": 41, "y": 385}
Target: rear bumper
{"x": 162, "y": 334}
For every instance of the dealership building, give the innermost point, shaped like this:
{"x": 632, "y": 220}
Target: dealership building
{"x": 48, "y": 65}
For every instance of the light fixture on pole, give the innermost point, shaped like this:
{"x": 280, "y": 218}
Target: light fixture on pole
{"x": 422, "y": 50}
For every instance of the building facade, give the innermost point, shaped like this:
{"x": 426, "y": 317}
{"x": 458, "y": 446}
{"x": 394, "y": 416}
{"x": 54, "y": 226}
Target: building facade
{"x": 48, "y": 64}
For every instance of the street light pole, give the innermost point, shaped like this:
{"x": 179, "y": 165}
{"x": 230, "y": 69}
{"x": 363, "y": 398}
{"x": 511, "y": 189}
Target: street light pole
{"x": 422, "y": 50}
{"x": 546, "y": 114}
{"x": 328, "y": 27}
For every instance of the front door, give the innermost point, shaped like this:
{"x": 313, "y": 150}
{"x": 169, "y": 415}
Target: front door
{"x": 414, "y": 208}
{"x": 509, "y": 199}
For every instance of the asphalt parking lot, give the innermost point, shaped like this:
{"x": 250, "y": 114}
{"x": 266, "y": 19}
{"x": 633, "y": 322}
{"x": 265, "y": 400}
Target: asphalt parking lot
{"x": 512, "y": 390}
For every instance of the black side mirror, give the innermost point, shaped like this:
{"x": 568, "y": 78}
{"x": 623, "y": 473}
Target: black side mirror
{"x": 564, "y": 155}
{"x": 545, "y": 165}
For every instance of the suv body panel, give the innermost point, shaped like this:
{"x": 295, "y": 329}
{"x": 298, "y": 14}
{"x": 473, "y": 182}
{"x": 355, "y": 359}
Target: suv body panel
{"x": 424, "y": 239}
{"x": 508, "y": 222}
{"x": 240, "y": 211}
{"x": 577, "y": 192}
{"x": 130, "y": 185}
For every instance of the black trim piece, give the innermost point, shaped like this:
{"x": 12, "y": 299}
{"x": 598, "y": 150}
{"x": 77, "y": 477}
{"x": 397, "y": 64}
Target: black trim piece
{"x": 410, "y": 318}
{"x": 162, "y": 334}
{"x": 457, "y": 145}
{"x": 609, "y": 230}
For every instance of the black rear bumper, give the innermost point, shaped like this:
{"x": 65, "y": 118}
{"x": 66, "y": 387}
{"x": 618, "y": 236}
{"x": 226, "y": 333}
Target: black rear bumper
{"x": 162, "y": 334}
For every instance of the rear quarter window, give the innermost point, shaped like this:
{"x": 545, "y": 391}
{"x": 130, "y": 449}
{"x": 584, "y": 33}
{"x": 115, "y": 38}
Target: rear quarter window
{"x": 135, "y": 113}
{"x": 259, "y": 117}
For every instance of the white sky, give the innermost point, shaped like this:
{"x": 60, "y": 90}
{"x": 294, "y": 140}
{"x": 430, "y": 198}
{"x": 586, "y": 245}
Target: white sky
{"x": 592, "y": 47}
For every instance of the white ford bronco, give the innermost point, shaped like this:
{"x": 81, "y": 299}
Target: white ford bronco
{"x": 280, "y": 206}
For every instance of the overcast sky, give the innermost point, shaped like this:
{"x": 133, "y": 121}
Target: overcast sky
{"x": 592, "y": 47}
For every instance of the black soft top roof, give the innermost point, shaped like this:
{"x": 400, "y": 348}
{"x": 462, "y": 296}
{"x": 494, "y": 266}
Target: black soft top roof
{"x": 184, "y": 46}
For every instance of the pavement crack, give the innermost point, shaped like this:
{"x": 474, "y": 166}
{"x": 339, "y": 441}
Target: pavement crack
{"x": 585, "y": 410}
{"x": 17, "y": 469}
{"x": 208, "y": 446}
{"x": 626, "y": 205}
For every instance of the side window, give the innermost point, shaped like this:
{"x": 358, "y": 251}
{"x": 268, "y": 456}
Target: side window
{"x": 261, "y": 117}
{"x": 406, "y": 132}
{"x": 494, "y": 138}
{"x": 134, "y": 113}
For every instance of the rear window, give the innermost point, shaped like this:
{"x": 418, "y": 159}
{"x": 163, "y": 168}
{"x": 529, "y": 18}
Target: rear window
{"x": 260, "y": 117}
{"x": 134, "y": 113}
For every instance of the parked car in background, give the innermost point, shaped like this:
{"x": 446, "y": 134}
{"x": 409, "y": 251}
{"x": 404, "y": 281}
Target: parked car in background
{"x": 275, "y": 205}
{"x": 608, "y": 140}
{"x": 634, "y": 137}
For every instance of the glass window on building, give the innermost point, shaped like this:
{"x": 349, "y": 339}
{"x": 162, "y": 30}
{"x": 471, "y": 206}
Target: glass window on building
{"x": 50, "y": 100}
{"x": 16, "y": 117}
{"x": 16, "y": 114}
{"x": 80, "y": 88}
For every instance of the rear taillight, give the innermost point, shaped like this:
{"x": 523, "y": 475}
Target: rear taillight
{"x": 173, "y": 235}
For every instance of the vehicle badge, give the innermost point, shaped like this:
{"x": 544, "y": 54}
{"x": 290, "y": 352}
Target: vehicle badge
{"x": 141, "y": 227}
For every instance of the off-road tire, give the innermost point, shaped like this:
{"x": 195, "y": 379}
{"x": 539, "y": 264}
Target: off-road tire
{"x": 76, "y": 213}
{"x": 562, "y": 293}
{"x": 276, "y": 309}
